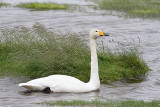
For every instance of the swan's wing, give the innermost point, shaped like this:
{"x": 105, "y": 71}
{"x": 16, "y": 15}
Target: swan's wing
{"x": 42, "y": 83}
{"x": 57, "y": 83}
{"x": 32, "y": 86}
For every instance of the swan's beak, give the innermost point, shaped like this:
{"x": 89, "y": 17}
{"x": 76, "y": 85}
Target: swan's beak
{"x": 102, "y": 34}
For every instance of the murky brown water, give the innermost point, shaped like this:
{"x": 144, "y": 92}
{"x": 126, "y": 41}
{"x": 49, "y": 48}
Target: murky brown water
{"x": 119, "y": 28}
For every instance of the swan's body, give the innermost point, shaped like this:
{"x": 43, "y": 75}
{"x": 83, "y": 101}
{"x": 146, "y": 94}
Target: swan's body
{"x": 64, "y": 83}
{"x": 59, "y": 83}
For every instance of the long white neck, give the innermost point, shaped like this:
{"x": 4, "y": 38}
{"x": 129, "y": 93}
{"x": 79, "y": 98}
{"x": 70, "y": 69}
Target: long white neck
{"x": 94, "y": 79}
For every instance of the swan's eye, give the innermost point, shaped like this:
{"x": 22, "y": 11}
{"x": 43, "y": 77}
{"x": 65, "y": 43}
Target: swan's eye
{"x": 96, "y": 31}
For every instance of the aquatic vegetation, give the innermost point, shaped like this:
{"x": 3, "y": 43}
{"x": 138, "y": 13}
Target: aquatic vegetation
{"x": 3, "y": 4}
{"x": 127, "y": 65}
{"x": 134, "y": 8}
{"x": 37, "y": 52}
{"x": 110, "y": 103}
{"x": 47, "y": 6}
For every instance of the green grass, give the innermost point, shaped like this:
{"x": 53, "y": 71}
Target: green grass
{"x": 97, "y": 103}
{"x": 38, "y": 52}
{"x": 134, "y": 8}
{"x": 123, "y": 66}
{"x": 42, "y": 6}
{"x": 3, "y": 4}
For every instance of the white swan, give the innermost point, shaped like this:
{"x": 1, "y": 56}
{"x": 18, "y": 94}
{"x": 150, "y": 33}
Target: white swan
{"x": 64, "y": 83}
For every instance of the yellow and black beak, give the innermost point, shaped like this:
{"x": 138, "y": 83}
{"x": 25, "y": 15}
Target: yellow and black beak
{"x": 102, "y": 34}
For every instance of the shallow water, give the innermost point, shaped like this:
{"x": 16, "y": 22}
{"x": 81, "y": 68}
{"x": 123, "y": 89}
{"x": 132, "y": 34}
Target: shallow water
{"x": 120, "y": 29}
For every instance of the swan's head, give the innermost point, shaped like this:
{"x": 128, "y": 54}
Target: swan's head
{"x": 95, "y": 33}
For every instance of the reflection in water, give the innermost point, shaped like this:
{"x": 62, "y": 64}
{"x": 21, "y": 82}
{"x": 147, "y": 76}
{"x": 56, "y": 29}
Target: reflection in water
{"x": 119, "y": 28}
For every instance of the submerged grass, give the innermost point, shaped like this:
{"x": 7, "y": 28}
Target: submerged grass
{"x": 37, "y": 52}
{"x": 135, "y": 8}
{"x": 48, "y": 6}
{"x": 98, "y": 103}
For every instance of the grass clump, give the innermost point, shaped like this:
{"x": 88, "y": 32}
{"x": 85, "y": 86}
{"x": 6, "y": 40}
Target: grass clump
{"x": 123, "y": 66}
{"x": 98, "y": 103}
{"x": 135, "y": 8}
{"x": 48, "y": 6}
{"x": 37, "y": 52}
{"x": 3, "y": 4}
{"x": 121, "y": 63}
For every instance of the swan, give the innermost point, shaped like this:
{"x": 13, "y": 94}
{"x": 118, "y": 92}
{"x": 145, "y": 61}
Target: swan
{"x": 64, "y": 83}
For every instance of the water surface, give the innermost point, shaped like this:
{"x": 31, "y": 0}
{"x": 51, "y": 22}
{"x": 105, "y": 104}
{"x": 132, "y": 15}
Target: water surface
{"x": 120, "y": 28}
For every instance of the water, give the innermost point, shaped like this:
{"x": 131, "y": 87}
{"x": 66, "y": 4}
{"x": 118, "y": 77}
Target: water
{"x": 120, "y": 28}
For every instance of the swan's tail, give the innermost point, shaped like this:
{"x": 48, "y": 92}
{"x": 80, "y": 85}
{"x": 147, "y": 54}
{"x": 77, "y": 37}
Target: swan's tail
{"x": 31, "y": 86}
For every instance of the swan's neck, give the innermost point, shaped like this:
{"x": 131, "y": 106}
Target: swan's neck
{"x": 94, "y": 79}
